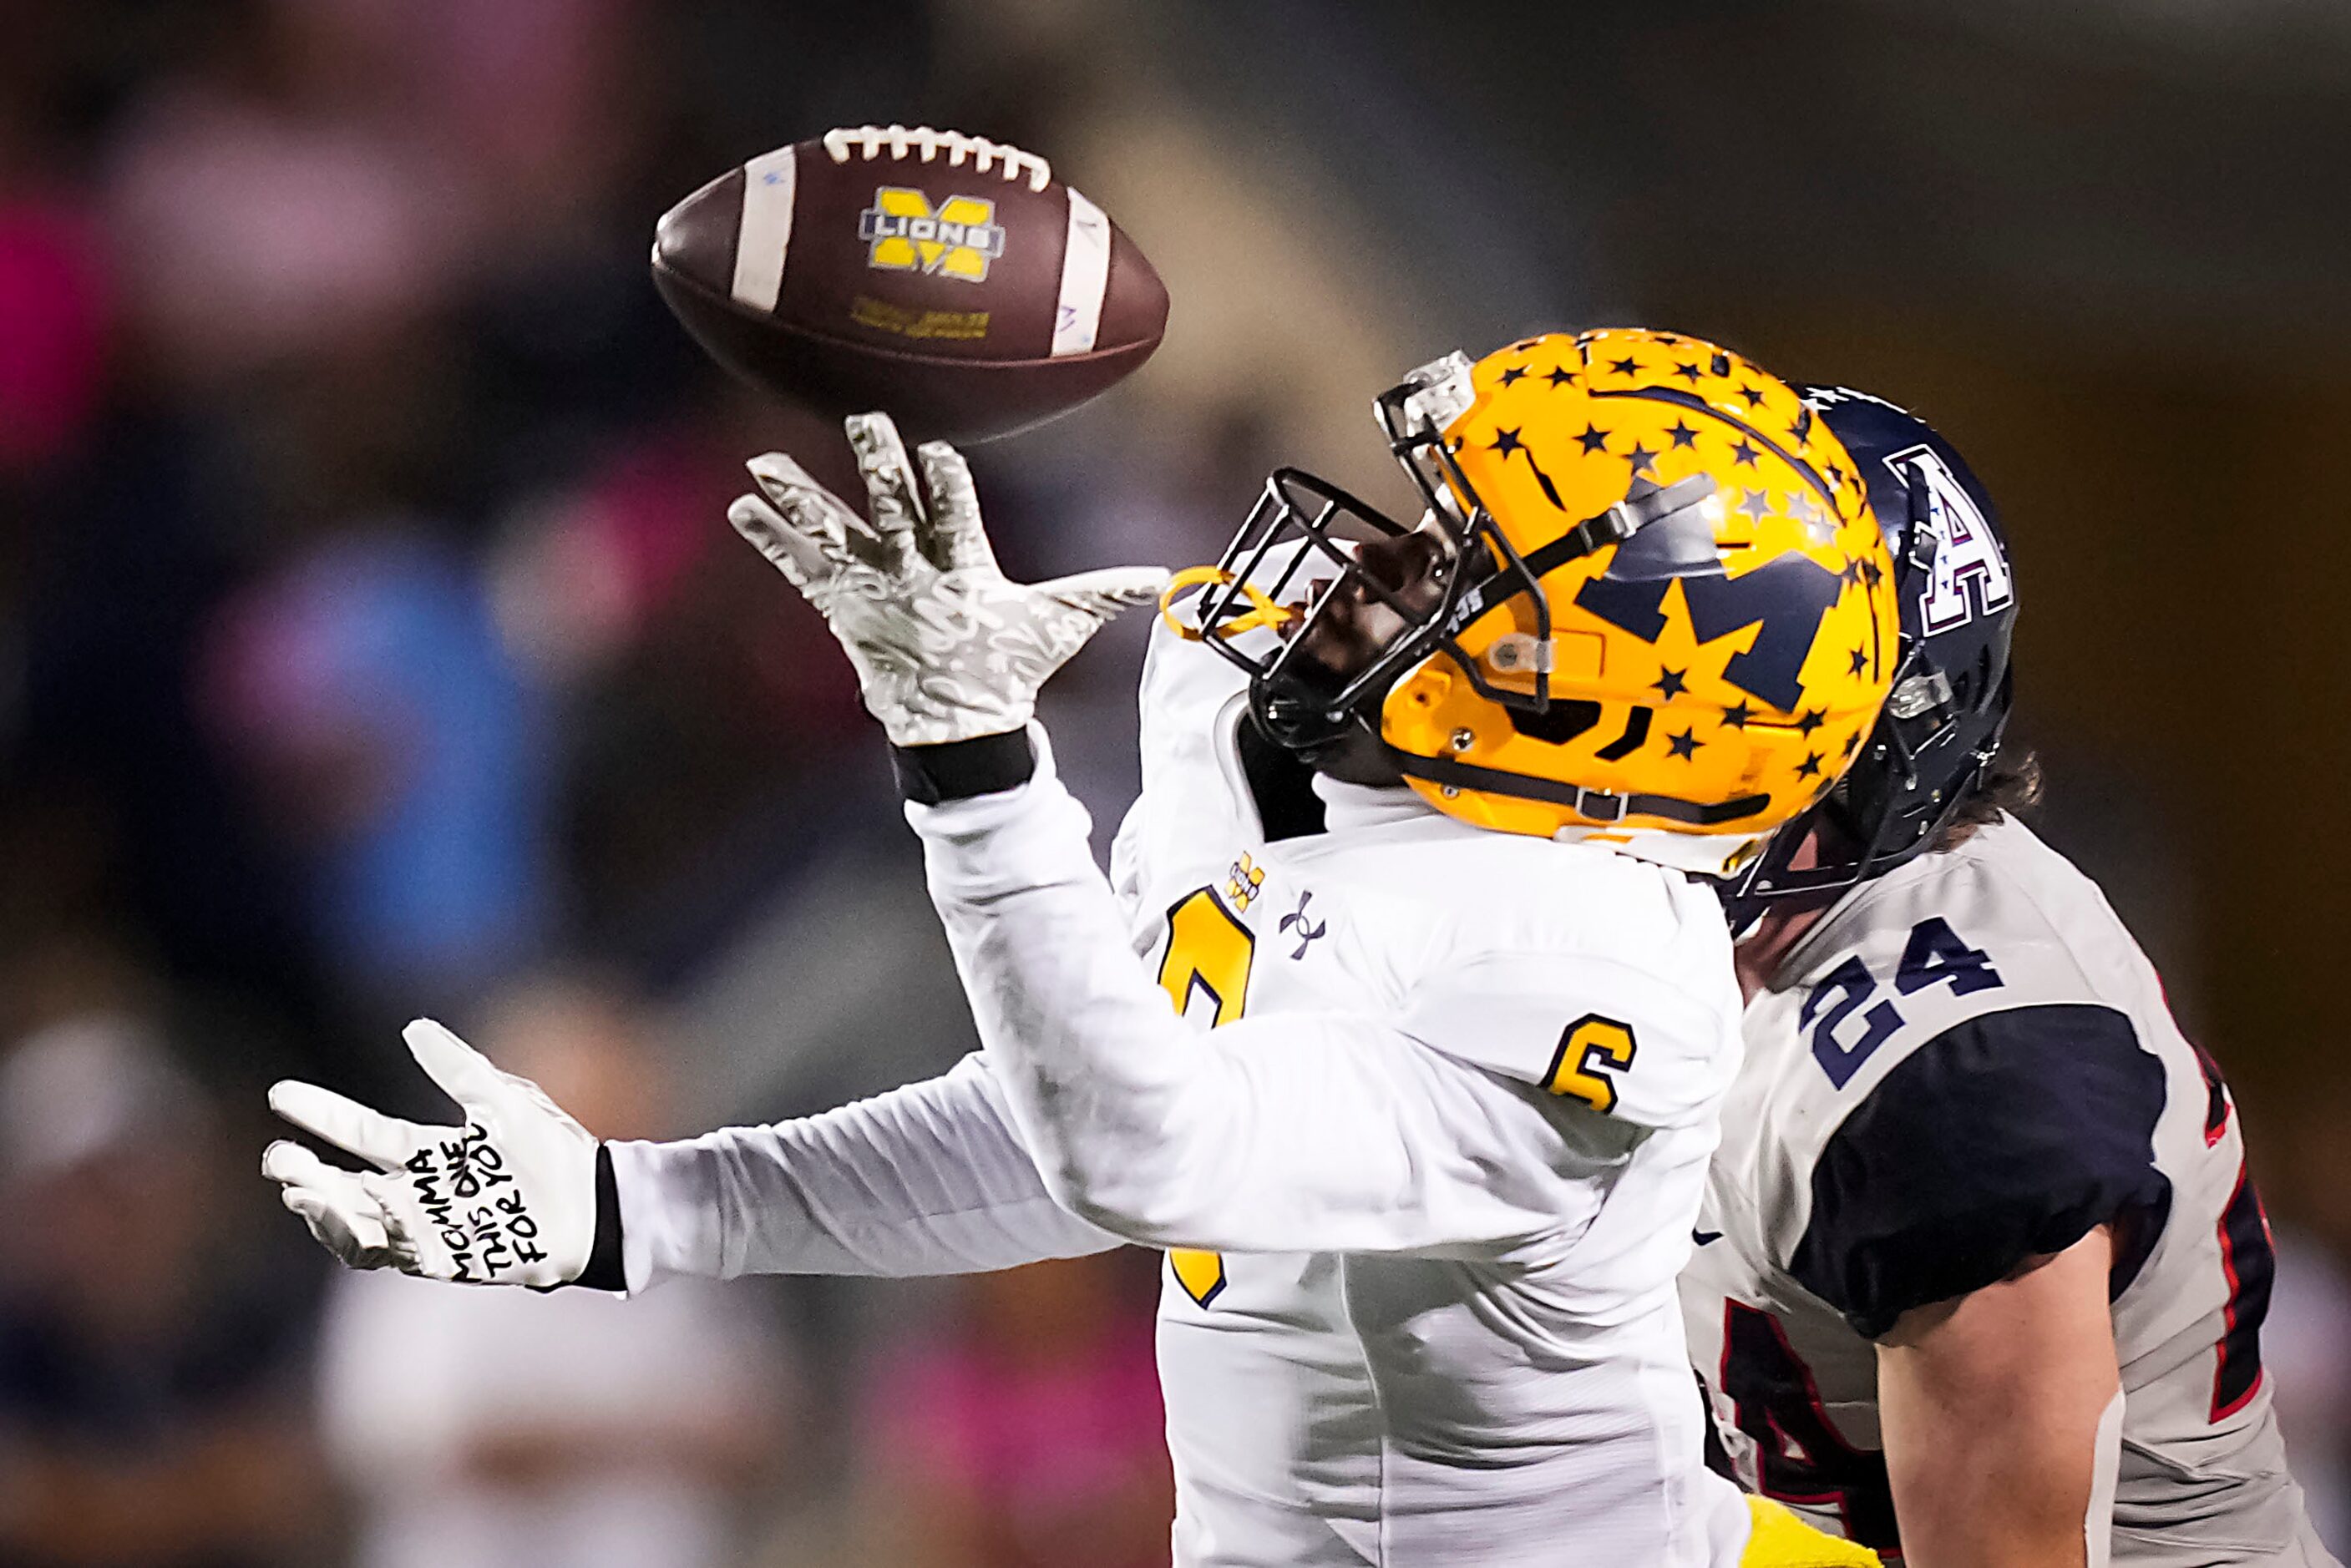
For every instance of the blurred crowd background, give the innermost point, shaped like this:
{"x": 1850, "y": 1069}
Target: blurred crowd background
{"x": 372, "y": 644}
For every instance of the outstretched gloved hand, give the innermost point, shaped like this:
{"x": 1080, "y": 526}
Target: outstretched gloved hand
{"x": 509, "y": 1198}
{"x": 945, "y": 647}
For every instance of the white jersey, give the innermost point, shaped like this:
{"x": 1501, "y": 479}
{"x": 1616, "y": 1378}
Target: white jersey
{"x": 1425, "y": 1148}
{"x": 1511, "y": 1399}
{"x": 1969, "y": 1063}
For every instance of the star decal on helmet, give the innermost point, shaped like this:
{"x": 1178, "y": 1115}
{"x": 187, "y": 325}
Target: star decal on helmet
{"x": 1671, "y": 683}
{"x": 1807, "y": 511}
{"x": 1685, "y": 745}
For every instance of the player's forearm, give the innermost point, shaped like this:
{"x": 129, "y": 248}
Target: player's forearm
{"x": 929, "y": 1179}
{"x": 1996, "y": 1410}
{"x": 1106, "y": 1084}
{"x": 1994, "y": 1507}
{"x": 1992, "y": 1500}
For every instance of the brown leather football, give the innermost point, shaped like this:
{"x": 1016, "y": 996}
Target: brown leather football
{"x": 948, "y": 280}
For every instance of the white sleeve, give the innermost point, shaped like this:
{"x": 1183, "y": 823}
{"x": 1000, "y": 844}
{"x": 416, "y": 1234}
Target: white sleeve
{"x": 1599, "y": 1034}
{"x": 1286, "y": 1132}
{"x": 931, "y": 1178}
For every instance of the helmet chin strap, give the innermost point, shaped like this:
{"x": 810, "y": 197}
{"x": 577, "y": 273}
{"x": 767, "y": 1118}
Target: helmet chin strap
{"x": 1599, "y": 808}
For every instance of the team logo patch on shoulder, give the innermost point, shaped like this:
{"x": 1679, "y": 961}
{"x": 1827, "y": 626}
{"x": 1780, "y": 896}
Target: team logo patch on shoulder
{"x": 903, "y": 232}
{"x": 1242, "y": 882}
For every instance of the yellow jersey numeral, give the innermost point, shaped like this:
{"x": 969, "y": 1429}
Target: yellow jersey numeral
{"x": 1593, "y": 1050}
{"x": 1208, "y": 954}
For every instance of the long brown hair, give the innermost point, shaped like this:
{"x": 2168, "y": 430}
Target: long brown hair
{"x": 2011, "y": 786}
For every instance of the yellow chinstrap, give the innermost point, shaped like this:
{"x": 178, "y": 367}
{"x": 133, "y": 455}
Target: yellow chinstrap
{"x": 1262, "y": 611}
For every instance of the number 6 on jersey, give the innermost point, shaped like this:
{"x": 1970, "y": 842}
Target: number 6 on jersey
{"x": 1591, "y": 1052}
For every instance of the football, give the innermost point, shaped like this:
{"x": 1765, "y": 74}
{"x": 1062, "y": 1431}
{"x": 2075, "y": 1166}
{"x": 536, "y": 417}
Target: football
{"x": 948, "y": 280}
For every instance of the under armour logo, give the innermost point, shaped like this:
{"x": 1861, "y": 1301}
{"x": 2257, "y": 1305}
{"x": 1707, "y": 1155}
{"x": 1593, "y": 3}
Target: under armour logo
{"x": 1307, "y": 930}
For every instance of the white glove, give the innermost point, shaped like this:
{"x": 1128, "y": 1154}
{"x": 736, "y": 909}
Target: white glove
{"x": 507, "y": 1199}
{"x": 945, "y": 649}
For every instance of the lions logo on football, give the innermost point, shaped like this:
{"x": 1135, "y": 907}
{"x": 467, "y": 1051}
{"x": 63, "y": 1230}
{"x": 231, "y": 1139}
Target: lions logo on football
{"x": 906, "y": 233}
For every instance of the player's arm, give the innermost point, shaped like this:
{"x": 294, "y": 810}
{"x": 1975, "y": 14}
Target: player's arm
{"x": 931, "y": 1178}
{"x": 927, "y": 1179}
{"x": 1341, "y": 1131}
{"x": 1974, "y": 1215}
{"x": 2001, "y": 1414}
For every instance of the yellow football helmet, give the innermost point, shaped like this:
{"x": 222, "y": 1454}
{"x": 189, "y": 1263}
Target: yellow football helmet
{"x": 1666, "y": 617}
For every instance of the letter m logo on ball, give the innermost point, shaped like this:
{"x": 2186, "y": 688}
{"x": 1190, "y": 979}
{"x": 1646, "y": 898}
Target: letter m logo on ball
{"x": 906, "y": 233}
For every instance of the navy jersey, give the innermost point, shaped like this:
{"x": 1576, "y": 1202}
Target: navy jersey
{"x": 1967, "y": 1065}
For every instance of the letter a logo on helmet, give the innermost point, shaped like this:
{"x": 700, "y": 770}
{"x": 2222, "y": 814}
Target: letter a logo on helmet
{"x": 1968, "y": 554}
{"x": 1673, "y": 620}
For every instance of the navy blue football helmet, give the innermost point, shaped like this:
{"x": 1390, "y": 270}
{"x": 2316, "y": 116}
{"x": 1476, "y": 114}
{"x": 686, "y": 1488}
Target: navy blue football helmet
{"x": 1941, "y": 726}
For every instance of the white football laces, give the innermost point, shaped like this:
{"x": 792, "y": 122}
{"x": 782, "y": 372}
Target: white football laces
{"x": 982, "y": 154}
